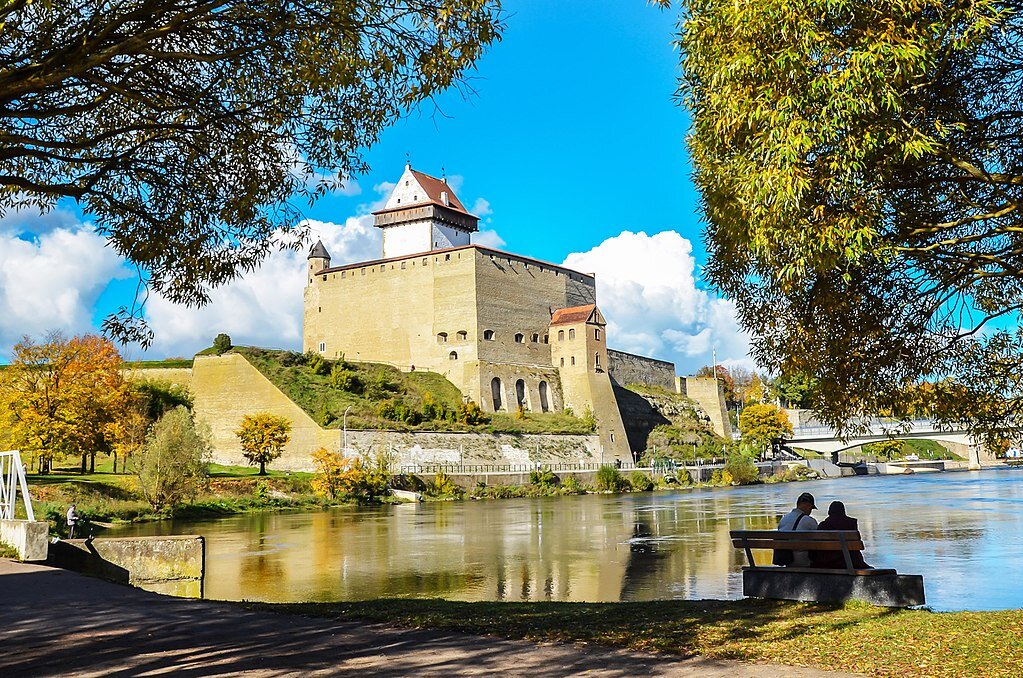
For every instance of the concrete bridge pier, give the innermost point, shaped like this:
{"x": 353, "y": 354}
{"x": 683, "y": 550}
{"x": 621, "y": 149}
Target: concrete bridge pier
{"x": 974, "y": 463}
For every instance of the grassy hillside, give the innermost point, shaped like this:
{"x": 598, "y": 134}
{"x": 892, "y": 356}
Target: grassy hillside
{"x": 666, "y": 424}
{"x": 383, "y": 397}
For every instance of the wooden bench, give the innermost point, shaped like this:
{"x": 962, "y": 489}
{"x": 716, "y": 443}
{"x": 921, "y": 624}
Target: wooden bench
{"x": 874, "y": 585}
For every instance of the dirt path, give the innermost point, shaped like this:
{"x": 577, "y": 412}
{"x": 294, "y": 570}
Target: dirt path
{"x": 55, "y": 622}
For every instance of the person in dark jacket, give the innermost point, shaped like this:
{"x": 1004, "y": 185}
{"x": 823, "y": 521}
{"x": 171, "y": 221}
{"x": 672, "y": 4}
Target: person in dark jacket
{"x": 838, "y": 520}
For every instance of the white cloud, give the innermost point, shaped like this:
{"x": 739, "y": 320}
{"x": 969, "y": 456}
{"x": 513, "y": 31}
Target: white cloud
{"x": 646, "y": 288}
{"x": 53, "y": 269}
{"x": 488, "y": 238}
{"x": 481, "y": 208}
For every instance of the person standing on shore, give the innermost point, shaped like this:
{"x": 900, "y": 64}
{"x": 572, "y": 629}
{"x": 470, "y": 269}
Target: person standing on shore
{"x": 72, "y": 521}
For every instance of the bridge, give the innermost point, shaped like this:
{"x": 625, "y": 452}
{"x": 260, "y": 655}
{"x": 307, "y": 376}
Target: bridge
{"x": 825, "y": 440}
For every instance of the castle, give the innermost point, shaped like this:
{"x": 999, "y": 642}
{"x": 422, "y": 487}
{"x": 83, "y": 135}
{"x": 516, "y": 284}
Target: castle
{"x": 509, "y": 331}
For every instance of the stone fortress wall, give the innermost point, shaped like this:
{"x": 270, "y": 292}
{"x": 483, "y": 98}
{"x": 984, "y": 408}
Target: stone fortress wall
{"x": 628, "y": 368}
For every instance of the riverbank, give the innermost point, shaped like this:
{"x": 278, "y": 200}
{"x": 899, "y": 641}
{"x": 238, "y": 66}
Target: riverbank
{"x": 56, "y": 622}
{"x": 856, "y": 637}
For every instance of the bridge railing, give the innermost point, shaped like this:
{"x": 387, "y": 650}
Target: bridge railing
{"x": 12, "y": 478}
{"x": 876, "y": 427}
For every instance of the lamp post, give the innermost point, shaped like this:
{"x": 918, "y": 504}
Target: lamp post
{"x": 344, "y": 422}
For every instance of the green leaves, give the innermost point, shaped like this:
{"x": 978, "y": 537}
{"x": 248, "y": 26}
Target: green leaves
{"x": 860, "y": 168}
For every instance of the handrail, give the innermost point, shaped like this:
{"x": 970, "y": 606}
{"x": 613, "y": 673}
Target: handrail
{"x": 12, "y": 476}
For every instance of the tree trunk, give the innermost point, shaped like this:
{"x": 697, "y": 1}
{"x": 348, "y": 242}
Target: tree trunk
{"x": 92, "y": 463}
{"x": 262, "y": 468}
{"x": 84, "y": 460}
{"x": 115, "y": 463}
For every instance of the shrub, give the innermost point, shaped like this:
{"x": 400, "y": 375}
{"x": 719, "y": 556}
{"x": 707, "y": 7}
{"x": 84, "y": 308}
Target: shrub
{"x": 544, "y": 478}
{"x": 741, "y": 470}
{"x": 589, "y": 419}
{"x": 341, "y": 477}
{"x": 571, "y": 485}
{"x": 641, "y": 482}
{"x": 317, "y": 364}
{"x": 344, "y": 379}
{"x": 222, "y": 344}
{"x": 444, "y": 486}
{"x": 471, "y": 414}
{"x": 520, "y": 413}
{"x": 610, "y": 479}
{"x": 172, "y": 463}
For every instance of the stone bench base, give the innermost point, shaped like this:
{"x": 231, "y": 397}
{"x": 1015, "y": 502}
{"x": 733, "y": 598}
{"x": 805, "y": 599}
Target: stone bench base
{"x": 888, "y": 590}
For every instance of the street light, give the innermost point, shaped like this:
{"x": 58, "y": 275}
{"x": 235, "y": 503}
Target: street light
{"x": 344, "y": 422}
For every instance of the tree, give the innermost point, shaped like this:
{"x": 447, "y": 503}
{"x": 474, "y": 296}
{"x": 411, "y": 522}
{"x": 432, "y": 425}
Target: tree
{"x": 59, "y": 398}
{"x": 263, "y": 437}
{"x": 762, "y": 425}
{"x": 341, "y": 477}
{"x": 222, "y": 343}
{"x": 861, "y": 171}
{"x": 171, "y": 465}
{"x": 185, "y": 127}
{"x": 886, "y": 449}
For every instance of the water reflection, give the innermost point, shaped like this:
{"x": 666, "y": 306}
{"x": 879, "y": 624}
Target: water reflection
{"x": 952, "y": 528}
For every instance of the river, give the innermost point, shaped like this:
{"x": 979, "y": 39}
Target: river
{"x": 962, "y": 531}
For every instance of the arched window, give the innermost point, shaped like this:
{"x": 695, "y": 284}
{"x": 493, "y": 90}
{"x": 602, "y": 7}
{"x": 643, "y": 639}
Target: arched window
{"x": 495, "y": 392}
{"x": 536, "y": 337}
{"x": 453, "y": 355}
{"x": 442, "y": 338}
{"x": 520, "y": 394}
{"x": 519, "y": 338}
{"x": 462, "y": 334}
{"x": 596, "y": 334}
{"x": 571, "y": 334}
{"x": 546, "y": 338}
{"x": 545, "y": 404}
{"x": 562, "y": 361}
{"x": 488, "y": 335}
{"x": 573, "y": 360}
{"x": 561, "y": 335}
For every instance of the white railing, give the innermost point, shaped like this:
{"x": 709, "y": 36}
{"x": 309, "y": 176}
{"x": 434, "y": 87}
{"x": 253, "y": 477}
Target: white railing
{"x": 12, "y": 476}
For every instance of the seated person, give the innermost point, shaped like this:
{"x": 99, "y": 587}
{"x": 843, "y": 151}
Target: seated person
{"x": 797, "y": 520}
{"x": 838, "y": 520}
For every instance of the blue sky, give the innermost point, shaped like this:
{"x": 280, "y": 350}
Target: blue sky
{"x": 572, "y": 149}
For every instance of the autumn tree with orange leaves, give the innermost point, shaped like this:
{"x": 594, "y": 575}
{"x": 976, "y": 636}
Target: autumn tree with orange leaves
{"x": 61, "y": 398}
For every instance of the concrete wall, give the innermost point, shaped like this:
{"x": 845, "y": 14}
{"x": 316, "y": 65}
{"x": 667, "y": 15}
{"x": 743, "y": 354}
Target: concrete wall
{"x": 28, "y": 537}
{"x": 709, "y": 394}
{"x": 627, "y": 368}
{"x": 172, "y": 565}
{"x": 177, "y": 376}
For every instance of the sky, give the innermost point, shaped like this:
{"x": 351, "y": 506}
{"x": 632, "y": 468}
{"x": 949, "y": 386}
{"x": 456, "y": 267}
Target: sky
{"x": 571, "y": 149}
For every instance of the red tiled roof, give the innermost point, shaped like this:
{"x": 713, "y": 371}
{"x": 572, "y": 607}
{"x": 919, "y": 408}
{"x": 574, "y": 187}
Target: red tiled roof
{"x": 434, "y": 187}
{"x": 573, "y": 315}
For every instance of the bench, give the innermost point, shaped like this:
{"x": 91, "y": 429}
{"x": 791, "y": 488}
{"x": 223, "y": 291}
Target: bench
{"x": 874, "y": 585}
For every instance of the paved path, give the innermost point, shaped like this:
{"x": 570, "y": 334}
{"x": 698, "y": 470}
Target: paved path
{"x": 55, "y": 622}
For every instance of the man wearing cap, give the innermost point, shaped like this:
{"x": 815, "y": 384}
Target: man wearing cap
{"x": 797, "y": 520}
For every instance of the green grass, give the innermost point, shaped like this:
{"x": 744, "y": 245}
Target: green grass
{"x": 855, "y": 637}
{"x": 159, "y": 364}
{"x": 807, "y": 454}
{"x": 326, "y": 404}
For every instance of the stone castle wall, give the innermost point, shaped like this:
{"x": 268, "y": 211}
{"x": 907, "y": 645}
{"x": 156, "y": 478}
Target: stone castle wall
{"x": 709, "y": 394}
{"x": 628, "y": 368}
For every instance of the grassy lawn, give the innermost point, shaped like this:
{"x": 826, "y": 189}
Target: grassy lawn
{"x": 854, "y": 637}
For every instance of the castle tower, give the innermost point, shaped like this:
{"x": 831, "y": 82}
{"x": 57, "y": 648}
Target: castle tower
{"x": 318, "y": 259}
{"x": 579, "y": 352}
{"x": 423, "y": 214}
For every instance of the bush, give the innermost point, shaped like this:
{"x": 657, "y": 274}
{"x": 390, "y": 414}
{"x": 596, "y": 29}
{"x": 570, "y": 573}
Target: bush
{"x": 344, "y": 379}
{"x": 641, "y": 482}
{"x": 317, "y": 364}
{"x": 222, "y": 344}
{"x": 740, "y": 470}
{"x": 545, "y": 479}
{"x": 171, "y": 465}
{"x": 571, "y": 485}
{"x": 443, "y": 486}
{"x": 471, "y": 414}
{"x": 339, "y": 477}
{"x": 610, "y": 479}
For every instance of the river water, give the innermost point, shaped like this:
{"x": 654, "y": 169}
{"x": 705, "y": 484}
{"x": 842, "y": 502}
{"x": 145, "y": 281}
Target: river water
{"x": 962, "y": 531}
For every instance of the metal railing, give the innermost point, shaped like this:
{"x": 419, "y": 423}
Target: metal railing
{"x": 12, "y": 476}
{"x": 464, "y": 469}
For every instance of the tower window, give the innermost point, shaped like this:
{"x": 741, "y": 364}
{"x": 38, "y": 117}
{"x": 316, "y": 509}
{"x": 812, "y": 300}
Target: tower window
{"x": 596, "y": 334}
{"x": 323, "y": 347}
{"x": 561, "y": 335}
{"x": 536, "y": 337}
{"x": 562, "y": 362}
{"x": 596, "y": 360}
{"x": 546, "y": 338}
{"x": 453, "y": 355}
{"x": 442, "y": 338}
{"x": 573, "y": 360}
{"x": 462, "y": 334}
{"x": 571, "y": 334}
{"x": 488, "y": 335}
{"x": 519, "y": 338}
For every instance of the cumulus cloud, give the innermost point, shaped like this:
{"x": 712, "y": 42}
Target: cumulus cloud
{"x": 647, "y": 290}
{"x": 53, "y": 268}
